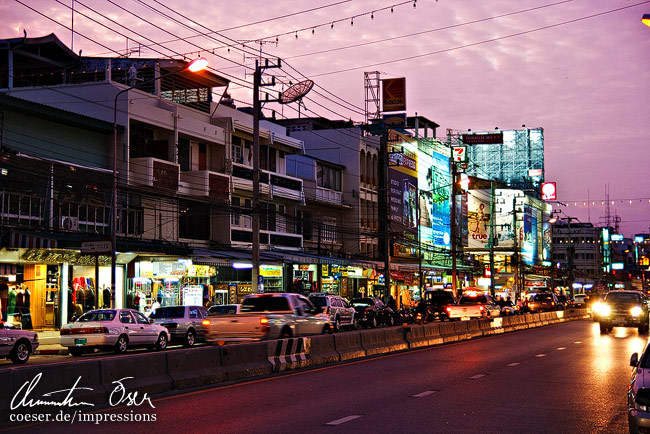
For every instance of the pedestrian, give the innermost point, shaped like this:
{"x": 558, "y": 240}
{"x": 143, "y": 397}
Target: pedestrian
{"x": 391, "y": 303}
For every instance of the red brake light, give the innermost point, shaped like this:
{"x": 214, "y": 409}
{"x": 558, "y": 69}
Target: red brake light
{"x": 205, "y": 322}
{"x": 65, "y": 332}
{"x": 481, "y": 308}
{"x": 264, "y": 320}
{"x": 448, "y": 309}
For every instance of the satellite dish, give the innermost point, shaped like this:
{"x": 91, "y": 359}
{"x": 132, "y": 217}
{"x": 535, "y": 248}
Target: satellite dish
{"x": 296, "y": 92}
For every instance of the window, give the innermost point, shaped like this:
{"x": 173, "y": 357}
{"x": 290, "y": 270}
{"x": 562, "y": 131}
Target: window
{"x": 194, "y": 313}
{"x": 140, "y": 319}
{"x": 194, "y": 220}
{"x": 328, "y": 177}
{"x": 304, "y": 225}
{"x": 168, "y": 312}
{"x": 126, "y": 318}
{"x": 329, "y": 230}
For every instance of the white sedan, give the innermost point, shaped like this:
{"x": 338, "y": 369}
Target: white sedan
{"x": 16, "y": 344}
{"x": 112, "y": 329}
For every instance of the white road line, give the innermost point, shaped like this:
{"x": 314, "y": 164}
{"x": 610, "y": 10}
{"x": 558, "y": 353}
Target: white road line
{"x": 540, "y": 355}
{"x": 343, "y": 420}
{"x": 423, "y": 394}
{"x": 561, "y": 348}
{"x": 577, "y": 342}
{"x": 513, "y": 364}
{"x": 477, "y": 376}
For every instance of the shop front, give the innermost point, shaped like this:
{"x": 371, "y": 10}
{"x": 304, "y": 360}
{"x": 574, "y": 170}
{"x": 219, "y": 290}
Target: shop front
{"x": 45, "y": 288}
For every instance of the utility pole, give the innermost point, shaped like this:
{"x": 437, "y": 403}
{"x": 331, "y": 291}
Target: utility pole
{"x": 453, "y": 229}
{"x": 491, "y": 241}
{"x": 255, "y": 250}
{"x": 384, "y": 225}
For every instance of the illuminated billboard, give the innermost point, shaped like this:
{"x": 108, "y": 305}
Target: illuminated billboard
{"x": 434, "y": 177}
{"x": 478, "y": 218}
{"x": 403, "y": 183}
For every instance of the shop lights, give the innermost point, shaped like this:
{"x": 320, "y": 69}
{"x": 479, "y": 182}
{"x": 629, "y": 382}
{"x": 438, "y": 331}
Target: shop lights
{"x": 242, "y": 265}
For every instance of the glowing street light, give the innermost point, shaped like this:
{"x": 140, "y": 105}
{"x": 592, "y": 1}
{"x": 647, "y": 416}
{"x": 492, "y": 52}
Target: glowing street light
{"x": 646, "y": 19}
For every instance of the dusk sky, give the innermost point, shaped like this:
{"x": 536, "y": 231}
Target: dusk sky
{"x": 580, "y": 69}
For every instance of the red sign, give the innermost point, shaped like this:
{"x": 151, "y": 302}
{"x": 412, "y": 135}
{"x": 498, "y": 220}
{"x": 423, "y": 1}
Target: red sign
{"x": 548, "y": 191}
{"x": 393, "y": 94}
{"x": 483, "y": 139}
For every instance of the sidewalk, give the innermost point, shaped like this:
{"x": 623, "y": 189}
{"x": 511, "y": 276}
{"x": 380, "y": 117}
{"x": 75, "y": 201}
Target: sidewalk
{"x": 49, "y": 343}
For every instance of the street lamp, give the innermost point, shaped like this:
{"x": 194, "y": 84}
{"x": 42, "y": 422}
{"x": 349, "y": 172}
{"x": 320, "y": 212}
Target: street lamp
{"x": 194, "y": 66}
{"x": 646, "y": 19}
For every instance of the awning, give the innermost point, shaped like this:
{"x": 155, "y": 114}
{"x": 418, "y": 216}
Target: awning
{"x": 19, "y": 240}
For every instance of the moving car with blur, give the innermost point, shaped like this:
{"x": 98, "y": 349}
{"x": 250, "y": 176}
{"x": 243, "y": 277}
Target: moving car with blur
{"x": 268, "y": 316}
{"x": 371, "y": 312}
{"x": 638, "y": 393}
{"x": 542, "y": 302}
{"x": 580, "y": 300}
{"x": 112, "y": 329}
{"x": 223, "y": 309}
{"x": 184, "y": 323}
{"x": 474, "y": 305}
{"x": 564, "y": 302}
{"x": 337, "y": 309}
{"x": 16, "y": 344}
{"x": 626, "y": 308}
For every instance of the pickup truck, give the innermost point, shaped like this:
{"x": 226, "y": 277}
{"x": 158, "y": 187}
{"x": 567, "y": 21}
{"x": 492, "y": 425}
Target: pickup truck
{"x": 473, "y": 306}
{"x": 268, "y": 316}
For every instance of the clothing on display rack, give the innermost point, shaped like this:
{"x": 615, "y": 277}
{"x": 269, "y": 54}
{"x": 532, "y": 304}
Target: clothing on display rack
{"x": 4, "y": 295}
{"x": 106, "y": 302}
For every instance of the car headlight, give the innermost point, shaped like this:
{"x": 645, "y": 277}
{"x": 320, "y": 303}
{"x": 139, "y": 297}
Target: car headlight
{"x": 636, "y": 311}
{"x": 604, "y": 309}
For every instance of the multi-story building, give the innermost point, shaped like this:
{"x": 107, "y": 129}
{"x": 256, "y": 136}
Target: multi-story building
{"x": 184, "y": 183}
{"x": 577, "y": 252}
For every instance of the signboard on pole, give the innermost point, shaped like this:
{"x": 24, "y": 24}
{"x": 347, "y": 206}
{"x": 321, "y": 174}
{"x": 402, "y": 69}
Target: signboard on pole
{"x": 96, "y": 247}
{"x": 483, "y": 139}
{"x": 393, "y": 94}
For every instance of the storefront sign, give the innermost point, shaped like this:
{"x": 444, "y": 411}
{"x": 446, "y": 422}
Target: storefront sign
{"x": 169, "y": 269}
{"x": 59, "y": 256}
{"x": 325, "y": 270}
{"x": 303, "y": 267}
{"x": 271, "y": 270}
{"x": 192, "y": 296}
{"x": 244, "y": 288}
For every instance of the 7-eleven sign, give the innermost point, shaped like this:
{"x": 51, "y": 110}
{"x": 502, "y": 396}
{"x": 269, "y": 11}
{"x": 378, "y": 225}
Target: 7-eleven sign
{"x": 459, "y": 154}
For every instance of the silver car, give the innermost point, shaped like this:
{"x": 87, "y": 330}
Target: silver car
{"x": 185, "y": 323}
{"x": 15, "y": 344}
{"x": 112, "y": 329}
{"x": 339, "y": 311}
{"x": 638, "y": 393}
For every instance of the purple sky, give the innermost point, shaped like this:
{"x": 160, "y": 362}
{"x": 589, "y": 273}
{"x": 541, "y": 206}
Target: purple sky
{"x": 579, "y": 68}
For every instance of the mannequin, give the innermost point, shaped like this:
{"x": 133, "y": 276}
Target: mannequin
{"x": 11, "y": 301}
{"x": 4, "y": 295}
{"x": 107, "y": 297}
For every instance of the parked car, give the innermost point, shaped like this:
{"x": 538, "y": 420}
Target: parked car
{"x": 184, "y": 323}
{"x": 337, "y": 309}
{"x": 474, "y": 305}
{"x": 112, "y": 329}
{"x": 224, "y": 309}
{"x": 638, "y": 393}
{"x": 580, "y": 300}
{"x": 626, "y": 309}
{"x": 269, "y": 316}
{"x": 542, "y": 302}
{"x": 16, "y": 344}
{"x": 436, "y": 303}
{"x": 371, "y": 312}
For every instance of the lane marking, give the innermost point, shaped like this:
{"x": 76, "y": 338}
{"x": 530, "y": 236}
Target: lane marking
{"x": 343, "y": 420}
{"x": 540, "y": 355}
{"x": 423, "y": 394}
{"x": 513, "y": 364}
{"x": 577, "y": 342}
{"x": 477, "y": 376}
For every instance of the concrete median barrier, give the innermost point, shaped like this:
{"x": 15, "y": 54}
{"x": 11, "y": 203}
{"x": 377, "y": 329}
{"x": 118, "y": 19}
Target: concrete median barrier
{"x": 144, "y": 373}
{"x": 394, "y": 339}
{"x": 245, "y": 360}
{"x": 414, "y": 335}
{"x": 285, "y": 354}
{"x": 534, "y": 320}
{"x": 374, "y": 341}
{"x": 448, "y": 331}
{"x": 322, "y": 350}
{"x": 195, "y": 367}
{"x": 474, "y": 329}
{"x": 432, "y": 333}
{"x": 348, "y": 345}
{"x": 461, "y": 331}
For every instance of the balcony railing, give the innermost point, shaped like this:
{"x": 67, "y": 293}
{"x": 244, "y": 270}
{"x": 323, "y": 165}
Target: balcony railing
{"x": 327, "y": 195}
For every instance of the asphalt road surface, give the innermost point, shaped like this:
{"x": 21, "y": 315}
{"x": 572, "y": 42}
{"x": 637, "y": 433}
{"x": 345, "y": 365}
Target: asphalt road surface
{"x": 565, "y": 378}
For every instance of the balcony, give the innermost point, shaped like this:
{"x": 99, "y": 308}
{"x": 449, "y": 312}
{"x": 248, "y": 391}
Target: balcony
{"x": 329, "y": 196}
{"x": 153, "y": 172}
{"x": 271, "y": 183}
{"x": 205, "y": 183}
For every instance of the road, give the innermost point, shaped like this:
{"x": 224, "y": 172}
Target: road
{"x": 565, "y": 378}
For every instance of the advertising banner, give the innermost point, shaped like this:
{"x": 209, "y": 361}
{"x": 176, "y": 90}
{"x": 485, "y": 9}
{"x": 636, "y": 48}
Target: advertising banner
{"x": 434, "y": 178}
{"x": 403, "y": 185}
{"x": 478, "y": 218}
{"x": 393, "y": 94}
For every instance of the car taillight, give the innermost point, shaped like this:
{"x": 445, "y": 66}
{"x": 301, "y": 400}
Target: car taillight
{"x": 264, "y": 322}
{"x": 84, "y": 331}
{"x": 65, "y": 332}
{"x": 448, "y": 309}
{"x": 552, "y": 303}
{"x": 481, "y": 308}
{"x": 205, "y": 322}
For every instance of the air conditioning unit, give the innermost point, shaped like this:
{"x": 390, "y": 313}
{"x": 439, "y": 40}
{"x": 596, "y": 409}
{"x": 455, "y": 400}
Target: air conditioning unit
{"x": 69, "y": 224}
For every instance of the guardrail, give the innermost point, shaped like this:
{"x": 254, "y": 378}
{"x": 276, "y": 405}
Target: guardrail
{"x": 154, "y": 373}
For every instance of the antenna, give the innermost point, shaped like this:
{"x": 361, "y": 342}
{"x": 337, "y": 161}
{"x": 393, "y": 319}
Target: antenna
{"x": 296, "y": 92}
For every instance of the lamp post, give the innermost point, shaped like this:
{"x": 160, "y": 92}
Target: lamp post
{"x": 646, "y": 19}
{"x": 194, "y": 66}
